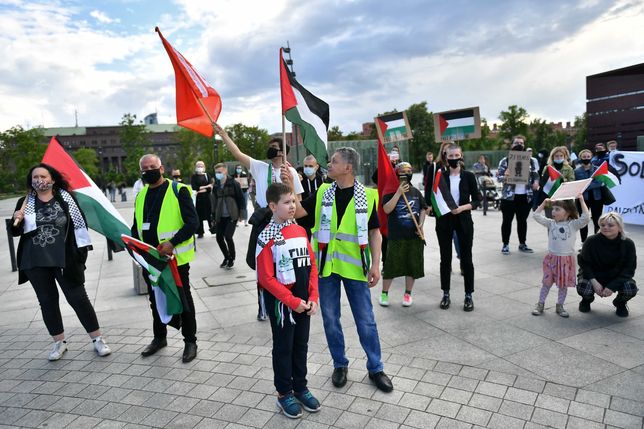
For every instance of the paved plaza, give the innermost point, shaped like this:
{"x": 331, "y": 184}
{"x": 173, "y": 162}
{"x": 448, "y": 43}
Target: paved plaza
{"x": 497, "y": 367}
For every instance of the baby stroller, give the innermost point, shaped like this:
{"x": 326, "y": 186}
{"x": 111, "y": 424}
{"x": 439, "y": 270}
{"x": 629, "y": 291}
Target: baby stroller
{"x": 487, "y": 187}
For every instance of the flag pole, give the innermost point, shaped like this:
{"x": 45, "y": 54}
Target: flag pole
{"x": 214, "y": 134}
{"x": 284, "y": 139}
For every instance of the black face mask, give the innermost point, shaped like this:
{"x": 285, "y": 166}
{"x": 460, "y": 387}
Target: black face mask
{"x": 600, "y": 153}
{"x": 151, "y": 176}
{"x": 585, "y": 161}
{"x": 271, "y": 152}
{"x": 519, "y": 147}
{"x": 453, "y": 163}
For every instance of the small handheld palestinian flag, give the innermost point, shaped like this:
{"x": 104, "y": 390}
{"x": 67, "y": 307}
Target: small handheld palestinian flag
{"x": 554, "y": 181}
{"x": 442, "y": 200}
{"x": 604, "y": 175}
{"x": 164, "y": 277}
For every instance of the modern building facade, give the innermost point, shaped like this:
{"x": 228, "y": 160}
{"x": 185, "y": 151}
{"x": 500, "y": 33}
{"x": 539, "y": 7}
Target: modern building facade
{"x": 615, "y": 106}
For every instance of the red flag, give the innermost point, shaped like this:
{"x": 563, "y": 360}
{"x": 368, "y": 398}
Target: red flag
{"x": 387, "y": 177}
{"x": 198, "y": 103}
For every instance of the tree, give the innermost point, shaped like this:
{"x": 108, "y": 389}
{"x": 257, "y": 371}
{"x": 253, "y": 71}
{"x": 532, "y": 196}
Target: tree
{"x": 251, "y": 140}
{"x": 88, "y": 161}
{"x": 581, "y": 138}
{"x": 544, "y": 136}
{"x": 193, "y": 147}
{"x": 334, "y": 134}
{"x": 513, "y": 122}
{"x": 135, "y": 143}
{"x": 421, "y": 122}
{"x": 20, "y": 150}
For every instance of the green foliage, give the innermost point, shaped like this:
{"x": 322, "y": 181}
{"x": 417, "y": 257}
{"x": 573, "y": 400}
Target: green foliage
{"x": 485, "y": 143}
{"x": 513, "y": 122}
{"x": 194, "y": 147}
{"x": 20, "y": 150}
{"x": 334, "y": 134}
{"x": 421, "y": 122}
{"x": 88, "y": 161}
{"x": 251, "y": 140}
{"x": 135, "y": 142}
{"x": 581, "y": 138}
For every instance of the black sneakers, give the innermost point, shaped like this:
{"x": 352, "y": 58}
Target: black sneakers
{"x": 620, "y": 308}
{"x": 224, "y": 264}
{"x": 230, "y": 264}
{"x": 444, "y": 305}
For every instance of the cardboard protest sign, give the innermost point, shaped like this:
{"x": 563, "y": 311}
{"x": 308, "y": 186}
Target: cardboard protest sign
{"x": 243, "y": 182}
{"x": 396, "y": 127}
{"x": 518, "y": 171}
{"x": 570, "y": 190}
{"x": 455, "y": 125}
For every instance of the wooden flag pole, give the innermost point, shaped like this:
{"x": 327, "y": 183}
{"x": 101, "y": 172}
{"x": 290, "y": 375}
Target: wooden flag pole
{"x": 284, "y": 140}
{"x": 413, "y": 217}
{"x": 214, "y": 133}
{"x": 22, "y": 209}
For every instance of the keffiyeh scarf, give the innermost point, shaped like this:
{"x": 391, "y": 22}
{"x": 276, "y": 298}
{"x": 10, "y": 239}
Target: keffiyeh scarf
{"x": 326, "y": 218}
{"x": 80, "y": 227}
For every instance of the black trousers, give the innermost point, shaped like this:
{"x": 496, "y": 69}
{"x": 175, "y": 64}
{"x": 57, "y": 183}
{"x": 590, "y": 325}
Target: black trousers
{"x": 519, "y": 207}
{"x": 290, "y": 347}
{"x": 188, "y": 320}
{"x": 43, "y": 280}
{"x": 446, "y": 226}
{"x": 225, "y": 231}
{"x": 596, "y": 208}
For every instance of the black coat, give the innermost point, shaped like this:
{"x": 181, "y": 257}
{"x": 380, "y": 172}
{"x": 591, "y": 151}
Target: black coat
{"x": 468, "y": 188}
{"x": 75, "y": 257}
{"x": 232, "y": 194}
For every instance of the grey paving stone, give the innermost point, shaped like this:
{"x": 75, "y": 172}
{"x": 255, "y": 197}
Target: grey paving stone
{"x": 456, "y": 395}
{"x": 578, "y": 423}
{"x": 532, "y": 384}
{"x": 255, "y": 418}
{"x": 380, "y": 424}
{"x": 307, "y": 424}
{"x": 337, "y": 400}
{"x": 391, "y": 397}
{"x": 446, "y": 423}
{"x": 500, "y": 378}
{"x": 230, "y": 412}
{"x": 484, "y": 402}
{"x": 552, "y": 403}
{"x": 447, "y": 367}
{"x": 89, "y": 407}
{"x": 622, "y": 420}
{"x": 627, "y": 406}
{"x": 404, "y": 384}
{"x": 586, "y": 411}
{"x": 326, "y": 416}
{"x": 417, "y": 402}
{"x": 421, "y": 420}
{"x": 207, "y": 423}
{"x": 499, "y": 421}
{"x": 473, "y": 372}
{"x": 365, "y": 406}
{"x": 549, "y": 418}
{"x": 184, "y": 421}
{"x": 516, "y": 409}
{"x": 348, "y": 420}
{"x": 560, "y": 391}
{"x": 43, "y": 402}
{"x": 248, "y": 399}
{"x": 473, "y": 415}
{"x": 463, "y": 383}
{"x": 436, "y": 377}
{"x": 84, "y": 422}
{"x": 65, "y": 405}
{"x": 491, "y": 389}
{"x": 428, "y": 389}
{"x": 112, "y": 410}
{"x": 392, "y": 413}
{"x": 137, "y": 397}
{"x": 136, "y": 414}
{"x": 593, "y": 398}
{"x": 58, "y": 421}
{"x": 443, "y": 408}
{"x": 10, "y": 415}
{"x": 205, "y": 408}
{"x": 520, "y": 395}
{"x": 33, "y": 418}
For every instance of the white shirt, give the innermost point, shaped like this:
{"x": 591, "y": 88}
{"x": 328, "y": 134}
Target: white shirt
{"x": 562, "y": 235}
{"x": 259, "y": 170}
{"x": 454, "y": 182}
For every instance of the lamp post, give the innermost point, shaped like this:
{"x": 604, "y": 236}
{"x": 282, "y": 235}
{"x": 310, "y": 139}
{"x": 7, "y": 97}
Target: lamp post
{"x": 294, "y": 130}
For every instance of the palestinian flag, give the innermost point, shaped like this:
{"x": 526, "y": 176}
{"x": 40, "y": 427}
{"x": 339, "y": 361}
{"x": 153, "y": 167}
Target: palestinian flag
{"x": 101, "y": 215}
{"x": 387, "y": 178}
{"x": 457, "y": 125}
{"x": 604, "y": 175}
{"x": 163, "y": 275}
{"x": 554, "y": 181}
{"x": 395, "y": 127}
{"x": 442, "y": 200}
{"x": 302, "y": 108}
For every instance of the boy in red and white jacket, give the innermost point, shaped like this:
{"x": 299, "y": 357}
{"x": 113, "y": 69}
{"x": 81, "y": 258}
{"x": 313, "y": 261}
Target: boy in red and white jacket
{"x": 286, "y": 270}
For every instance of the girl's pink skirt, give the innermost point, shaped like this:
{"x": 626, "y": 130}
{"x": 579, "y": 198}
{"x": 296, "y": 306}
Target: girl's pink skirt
{"x": 560, "y": 270}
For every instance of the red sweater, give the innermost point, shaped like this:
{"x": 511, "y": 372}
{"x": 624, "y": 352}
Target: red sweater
{"x": 306, "y": 272}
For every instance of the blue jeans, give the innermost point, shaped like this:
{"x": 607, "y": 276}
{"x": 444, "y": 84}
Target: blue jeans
{"x": 360, "y": 301}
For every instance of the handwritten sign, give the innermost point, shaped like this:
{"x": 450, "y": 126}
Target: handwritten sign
{"x": 518, "y": 171}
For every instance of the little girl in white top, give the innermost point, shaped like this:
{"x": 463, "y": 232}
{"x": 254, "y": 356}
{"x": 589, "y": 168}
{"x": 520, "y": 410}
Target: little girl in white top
{"x": 559, "y": 265}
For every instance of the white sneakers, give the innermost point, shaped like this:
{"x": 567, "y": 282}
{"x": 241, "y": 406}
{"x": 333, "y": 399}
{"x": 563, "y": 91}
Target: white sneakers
{"x": 60, "y": 347}
{"x": 57, "y": 350}
{"x": 101, "y": 348}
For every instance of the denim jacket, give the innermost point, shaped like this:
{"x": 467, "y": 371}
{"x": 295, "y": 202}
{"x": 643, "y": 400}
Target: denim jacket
{"x": 581, "y": 174}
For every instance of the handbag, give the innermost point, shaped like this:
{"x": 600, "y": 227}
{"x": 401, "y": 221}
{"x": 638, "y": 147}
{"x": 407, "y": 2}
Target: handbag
{"x": 607, "y": 196}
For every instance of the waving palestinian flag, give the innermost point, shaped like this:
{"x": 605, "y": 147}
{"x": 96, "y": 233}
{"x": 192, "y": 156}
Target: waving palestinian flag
{"x": 442, "y": 200}
{"x": 101, "y": 215}
{"x": 302, "y": 108}
{"x": 554, "y": 181}
{"x": 604, "y": 175}
{"x": 163, "y": 274}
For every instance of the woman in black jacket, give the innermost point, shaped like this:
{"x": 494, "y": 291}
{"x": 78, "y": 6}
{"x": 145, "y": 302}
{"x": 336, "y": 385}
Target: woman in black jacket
{"x": 53, "y": 246}
{"x": 463, "y": 189}
{"x": 228, "y": 201}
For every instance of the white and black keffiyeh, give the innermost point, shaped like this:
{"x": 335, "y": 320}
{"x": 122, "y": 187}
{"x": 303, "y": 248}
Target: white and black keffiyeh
{"x": 80, "y": 227}
{"x": 326, "y": 218}
{"x": 284, "y": 271}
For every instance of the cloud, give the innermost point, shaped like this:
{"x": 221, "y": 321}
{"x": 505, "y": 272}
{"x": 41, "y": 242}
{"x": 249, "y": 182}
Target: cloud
{"x": 102, "y": 17}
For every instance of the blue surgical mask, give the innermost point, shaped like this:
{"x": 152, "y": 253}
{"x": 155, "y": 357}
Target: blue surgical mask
{"x": 558, "y": 161}
{"x": 309, "y": 171}
{"x": 219, "y": 176}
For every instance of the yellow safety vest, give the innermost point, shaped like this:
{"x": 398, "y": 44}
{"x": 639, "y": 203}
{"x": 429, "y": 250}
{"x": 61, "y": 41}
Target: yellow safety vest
{"x": 343, "y": 251}
{"x": 170, "y": 221}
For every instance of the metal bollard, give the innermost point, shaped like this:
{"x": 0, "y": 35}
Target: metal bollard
{"x": 12, "y": 250}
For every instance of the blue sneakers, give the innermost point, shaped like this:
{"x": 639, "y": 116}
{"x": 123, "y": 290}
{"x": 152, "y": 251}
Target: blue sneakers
{"x": 308, "y": 401}
{"x": 289, "y": 406}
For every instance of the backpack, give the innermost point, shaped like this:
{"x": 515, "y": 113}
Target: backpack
{"x": 260, "y": 218}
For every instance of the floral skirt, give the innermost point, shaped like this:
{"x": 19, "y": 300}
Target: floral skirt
{"x": 560, "y": 270}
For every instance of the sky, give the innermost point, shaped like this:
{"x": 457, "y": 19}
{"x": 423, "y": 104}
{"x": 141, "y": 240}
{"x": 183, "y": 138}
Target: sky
{"x": 102, "y": 59}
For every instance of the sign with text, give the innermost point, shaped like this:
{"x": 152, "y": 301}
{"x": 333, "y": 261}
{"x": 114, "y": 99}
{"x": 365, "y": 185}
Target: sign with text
{"x": 455, "y": 125}
{"x": 395, "y": 126}
{"x": 518, "y": 171}
{"x": 570, "y": 190}
{"x": 629, "y": 198}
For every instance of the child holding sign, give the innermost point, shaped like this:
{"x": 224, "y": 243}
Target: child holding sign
{"x": 559, "y": 264}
